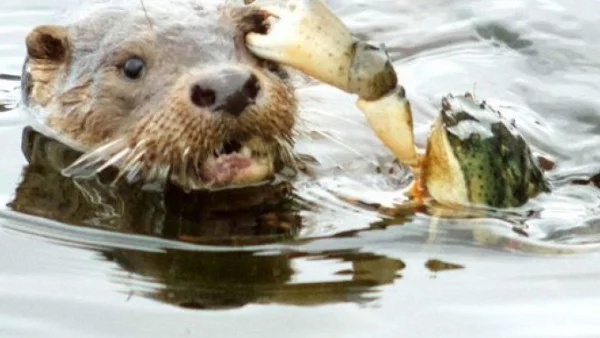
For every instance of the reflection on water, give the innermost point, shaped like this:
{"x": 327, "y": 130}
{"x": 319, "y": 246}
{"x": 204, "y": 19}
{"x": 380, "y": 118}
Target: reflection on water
{"x": 498, "y": 35}
{"x": 193, "y": 279}
{"x": 222, "y": 280}
{"x": 209, "y": 279}
{"x": 235, "y": 277}
{"x": 436, "y": 265}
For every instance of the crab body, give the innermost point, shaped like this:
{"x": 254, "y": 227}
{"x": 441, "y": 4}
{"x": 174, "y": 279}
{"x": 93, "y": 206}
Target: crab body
{"x": 475, "y": 156}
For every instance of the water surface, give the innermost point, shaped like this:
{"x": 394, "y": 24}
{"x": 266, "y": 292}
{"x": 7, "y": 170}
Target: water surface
{"x": 80, "y": 260}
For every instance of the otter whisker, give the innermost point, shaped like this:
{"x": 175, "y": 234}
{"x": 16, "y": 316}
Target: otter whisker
{"x": 151, "y": 173}
{"x": 134, "y": 159}
{"x": 166, "y": 153}
{"x": 186, "y": 153}
{"x": 138, "y": 146}
{"x": 131, "y": 166}
{"x": 158, "y": 173}
{"x": 133, "y": 172}
{"x": 89, "y": 164}
{"x": 114, "y": 160}
{"x": 287, "y": 141}
{"x": 146, "y": 14}
{"x": 162, "y": 174}
{"x": 136, "y": 153}
{"x": 192, "y": 178}
{"x": 183, "y": 167}
{"x": 196, "y": 164}
{"x": 181, "y": 172}
{"x": 286, "y": 154}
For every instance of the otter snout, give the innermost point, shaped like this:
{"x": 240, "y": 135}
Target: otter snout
{"x": 228, "y": 90}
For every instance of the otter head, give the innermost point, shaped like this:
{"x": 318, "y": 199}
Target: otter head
{"x": 474, "y": 156}
{"x": 164, "y": 93}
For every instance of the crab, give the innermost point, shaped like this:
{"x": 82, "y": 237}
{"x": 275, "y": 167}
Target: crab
{"x": 473, "y": 155}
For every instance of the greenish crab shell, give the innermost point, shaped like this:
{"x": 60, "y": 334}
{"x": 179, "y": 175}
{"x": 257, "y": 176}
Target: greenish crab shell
{"x": 474, "y": 156}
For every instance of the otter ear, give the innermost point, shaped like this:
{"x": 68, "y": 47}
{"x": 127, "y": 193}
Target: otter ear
{"x": 48, "y": 42}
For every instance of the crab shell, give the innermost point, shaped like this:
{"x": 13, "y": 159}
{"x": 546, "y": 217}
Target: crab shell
{"x": 476, "y": 157}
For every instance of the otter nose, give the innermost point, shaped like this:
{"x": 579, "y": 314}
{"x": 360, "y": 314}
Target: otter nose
{"x": 228, "y": 90}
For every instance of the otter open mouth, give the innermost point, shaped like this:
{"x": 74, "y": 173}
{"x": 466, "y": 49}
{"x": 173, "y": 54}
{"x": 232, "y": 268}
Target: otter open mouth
{"x": 237, "y": 163}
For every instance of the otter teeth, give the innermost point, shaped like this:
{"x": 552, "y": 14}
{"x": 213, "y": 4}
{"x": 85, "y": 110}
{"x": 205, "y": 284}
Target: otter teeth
{"x": 233, "y": 148}
{"x": 309, "y": 37}
{"x": 246, "y": 151}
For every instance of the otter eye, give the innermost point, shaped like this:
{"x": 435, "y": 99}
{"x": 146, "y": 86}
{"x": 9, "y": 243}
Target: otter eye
{"x": 133, "y": 68}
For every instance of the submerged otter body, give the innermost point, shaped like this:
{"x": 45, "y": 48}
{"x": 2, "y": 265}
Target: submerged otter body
{"x": 164, "y": 92}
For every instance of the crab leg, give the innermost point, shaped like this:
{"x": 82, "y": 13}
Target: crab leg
{"x": 307, "y": 36}
{"x": 391, "y": 120}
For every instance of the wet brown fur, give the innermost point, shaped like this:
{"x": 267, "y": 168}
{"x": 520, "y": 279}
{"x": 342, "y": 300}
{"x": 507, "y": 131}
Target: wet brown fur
{"x": 156, "y": 118}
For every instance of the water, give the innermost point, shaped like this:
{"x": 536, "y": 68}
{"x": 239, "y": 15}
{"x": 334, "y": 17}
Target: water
{"x": 100, "y": 263}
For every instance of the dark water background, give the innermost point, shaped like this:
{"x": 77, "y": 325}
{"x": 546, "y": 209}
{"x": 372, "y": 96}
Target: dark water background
{"x": 352, "y": 270}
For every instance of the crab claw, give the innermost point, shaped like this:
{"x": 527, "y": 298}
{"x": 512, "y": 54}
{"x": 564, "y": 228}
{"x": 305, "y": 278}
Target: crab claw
{"x": 391, "y": 120}
{"x": 307, "y": 36}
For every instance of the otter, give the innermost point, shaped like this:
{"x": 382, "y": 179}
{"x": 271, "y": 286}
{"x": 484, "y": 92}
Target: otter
{"x": 164, "y": 93}
{"x": 157, "y": 120}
